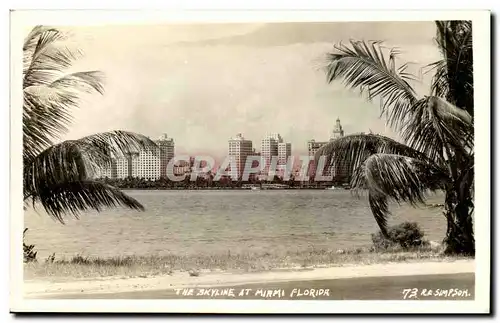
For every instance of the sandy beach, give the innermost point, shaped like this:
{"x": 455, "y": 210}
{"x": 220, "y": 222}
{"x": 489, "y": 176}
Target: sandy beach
{"x": 41, "y": 288}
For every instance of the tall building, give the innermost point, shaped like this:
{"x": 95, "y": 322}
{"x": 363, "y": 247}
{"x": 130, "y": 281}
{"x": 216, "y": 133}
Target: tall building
{"x": 143, "y": 164}
{"x": 125, "y": 165}
{"x": 312, "y": 148}
{"x": 274, "y": 146}
{"x": 337, "y": 131}
{"x": 268, "y": 149}
{"x": 166, "y": 146}
{"x": 148, "y": 163}
{"x": 239, "y": 149}
{"x": 339, "y": 172}
{"x": 284, "y": 151}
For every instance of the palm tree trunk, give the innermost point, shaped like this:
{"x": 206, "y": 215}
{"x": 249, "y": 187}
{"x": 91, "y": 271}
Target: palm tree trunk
{"x": 459, "y": 234}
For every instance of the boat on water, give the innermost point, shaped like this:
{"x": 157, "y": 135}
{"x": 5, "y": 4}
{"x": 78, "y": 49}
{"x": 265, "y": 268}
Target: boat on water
{"x": 331, "y": 188}
{"x": 255, "y": 188}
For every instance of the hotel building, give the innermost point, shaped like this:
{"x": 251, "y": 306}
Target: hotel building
{"x": 274, "y": 146}
{"x": 148, "y": 163}
{"x": 268, "y": 149}
{"x": 312, "y": 148}
{"x": 284, "y": 151}
{"x": 239, "y": 149}
{"x": 339, "y": 172}
{"x": 166, "y": 152}
{"x": 337, "y": 131}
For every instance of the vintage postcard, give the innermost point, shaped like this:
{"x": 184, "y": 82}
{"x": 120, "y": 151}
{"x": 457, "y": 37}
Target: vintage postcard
{"x": 250, "y": 162}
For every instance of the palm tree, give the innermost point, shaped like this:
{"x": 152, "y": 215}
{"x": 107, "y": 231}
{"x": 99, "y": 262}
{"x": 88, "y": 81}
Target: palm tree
{"x": 59, "y": 175}
{"x": 437, "y": 131}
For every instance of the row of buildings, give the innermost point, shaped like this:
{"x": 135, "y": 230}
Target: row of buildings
{"x": 152, "y": 165}
{"x": 272, "y": 146}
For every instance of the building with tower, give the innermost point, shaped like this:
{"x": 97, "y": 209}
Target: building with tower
{"x": 341, "y": 173}
{"x": 337, "y": 131}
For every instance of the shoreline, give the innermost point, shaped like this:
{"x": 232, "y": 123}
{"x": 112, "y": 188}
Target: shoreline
{"x": 39, "y": 287}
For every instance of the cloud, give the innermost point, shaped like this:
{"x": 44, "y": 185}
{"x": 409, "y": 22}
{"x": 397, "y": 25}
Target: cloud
{"x": 201, "y": 93}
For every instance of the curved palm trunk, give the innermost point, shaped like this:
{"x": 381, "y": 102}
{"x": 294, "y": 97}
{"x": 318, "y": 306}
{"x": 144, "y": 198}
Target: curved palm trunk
{"x": 459, "y": 234}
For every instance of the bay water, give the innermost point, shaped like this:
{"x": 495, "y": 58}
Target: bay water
{"x": 194, "y": 222}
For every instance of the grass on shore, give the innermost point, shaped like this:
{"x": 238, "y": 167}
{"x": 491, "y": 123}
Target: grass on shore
{"x": 81, "y": 267}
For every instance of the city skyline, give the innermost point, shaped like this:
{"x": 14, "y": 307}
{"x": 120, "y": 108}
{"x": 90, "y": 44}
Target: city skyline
{"x": 275, "y": 154}
{"x": 202, "y": 84}
{"x": 301, "y": 149}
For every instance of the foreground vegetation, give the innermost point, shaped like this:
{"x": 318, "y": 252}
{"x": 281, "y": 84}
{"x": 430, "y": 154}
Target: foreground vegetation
{"x": 437, "y": 130}
{"x": 405, "y": 242}
{"x": 80, "y": 267}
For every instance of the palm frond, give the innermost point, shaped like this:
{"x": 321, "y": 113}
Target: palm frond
{"x": 58, "y": 176}
{"x": 32, "y": 38}
{"x": 363, "y": 65}
{"x": 436, "y": 126}
{"x": 42, "y": 59}
{"x": 45, "y": 118}
{"x": 118, "y": 143}
{"x": 400, "y": 178}
{"x": 78, "y": 160}
{"x": 454, "y": 73}
{"x": 88, "y": 81}
{"x": 353, "y": 150}
{"x": 49, "y": 93}
{"x": 75, "y": 197}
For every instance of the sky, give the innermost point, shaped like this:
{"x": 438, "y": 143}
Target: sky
{"x": 203, "y": 83}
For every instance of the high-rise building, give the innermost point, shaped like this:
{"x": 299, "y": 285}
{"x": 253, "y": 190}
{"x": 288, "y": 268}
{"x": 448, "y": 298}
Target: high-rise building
{"x": 148, "y": 163}
{"x": 166, "y": 147}
{"x": 126, "y": 165}
{"x": 284, "y": 151}
{"x": 268, "y": 149}
{"x": 341, "y": 172}
{"x": 143, "y": 164}
{"x": 337, "y": 131}
{"x": 239, "y": 149}
{"x": 312, "y": 148}
{"x": 274, "y": 146}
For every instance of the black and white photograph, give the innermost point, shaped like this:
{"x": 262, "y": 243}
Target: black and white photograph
{"x": 210, "y": 161}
